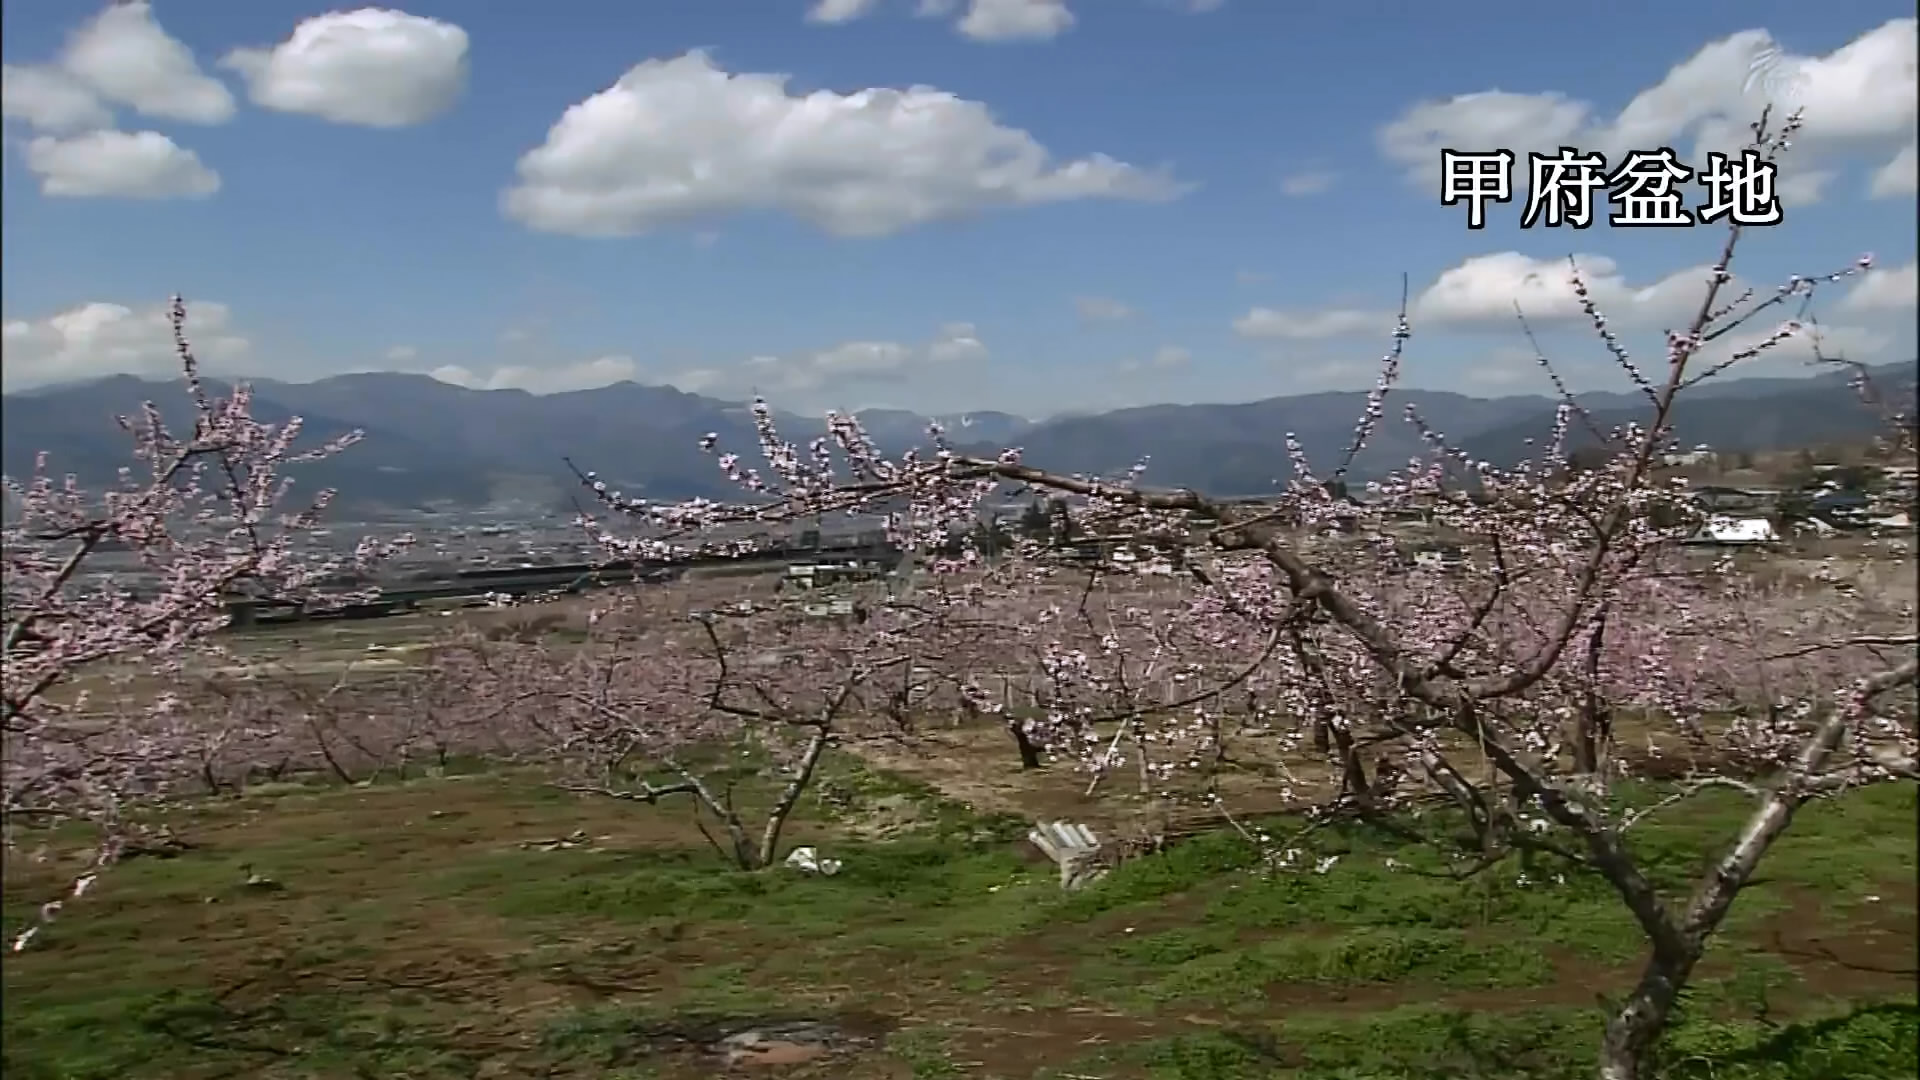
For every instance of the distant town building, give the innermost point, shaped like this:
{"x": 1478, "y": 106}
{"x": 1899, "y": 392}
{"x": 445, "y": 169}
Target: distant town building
{"x": 1698, "y": 456}
{"x": 1735, "y": 532}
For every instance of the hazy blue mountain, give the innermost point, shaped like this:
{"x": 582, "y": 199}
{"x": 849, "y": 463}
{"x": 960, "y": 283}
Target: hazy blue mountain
{"x": 431, "y": 443}
{"x": 1731, "y": 415}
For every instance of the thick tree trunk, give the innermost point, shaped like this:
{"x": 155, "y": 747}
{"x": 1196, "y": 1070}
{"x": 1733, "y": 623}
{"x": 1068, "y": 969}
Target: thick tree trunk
{"x": 1678, "y": 945}
{"x": 1636, "y": 1027}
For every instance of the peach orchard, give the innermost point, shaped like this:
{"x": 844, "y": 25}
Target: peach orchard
{"x": 1571, "y": 644}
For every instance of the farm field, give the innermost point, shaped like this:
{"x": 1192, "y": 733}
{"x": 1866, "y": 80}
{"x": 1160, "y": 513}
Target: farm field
{"x": 486, "y": 925}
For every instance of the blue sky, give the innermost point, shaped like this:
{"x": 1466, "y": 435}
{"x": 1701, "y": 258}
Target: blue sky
{"x": 1230, "y": 191}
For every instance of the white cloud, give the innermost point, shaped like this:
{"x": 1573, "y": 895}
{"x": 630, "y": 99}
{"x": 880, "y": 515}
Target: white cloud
{"x": 833, "y": 12}
{"x": 118, "y": 165}
{"x": 403, "y": 354}
{"x": 586, "y": 375}
{"x": 1795, "y": 355}
{"x": 1487, "y": 120}
{"x": 697, "y": 380}
{"x": 1861, "y": 95}
{"x": 1015, "y": 20}
{"x": 1861, "y": 343}
{"x": 1011, "y": 20}
{"x": 122, "y": 57}
{"x": 1509, "y": 369}
{"x": 1264, "y": 322}
{"x": 125, "y": 57}
{"x": 681, "y": 140}
{"x": 1101, "y": 309}
{"x": 957, "y": 343}
{"x": 1514, "y": 369}
{"x": 97, "y": 339}
{"x": 1171, "y": 356}
{"x": 1479, "y": 296}
{"x": 1892, "y": 289}
{"x": 1898, "y": 177}
{"x": 1803, "y": 187}
{"x": 954, "y": 348}
{"x": 850, "y": 360}
{"x": 1481, "y": 292}
{"x": 1310, "y": 374}
{"x": 1311, "y": 182}
{"x": 371, "y": 67}
{"x": 1165, "y": 358}
{"x": 51, "y": 100}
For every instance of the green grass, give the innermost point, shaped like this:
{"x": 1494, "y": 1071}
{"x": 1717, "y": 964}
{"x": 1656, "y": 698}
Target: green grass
{"x": 1419, "y": 1042}
{"x": 419, "y": 935}
{"x": 1181, "y": 966}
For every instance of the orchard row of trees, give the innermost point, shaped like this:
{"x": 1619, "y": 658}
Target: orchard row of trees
{"x": 1509, "y": 686}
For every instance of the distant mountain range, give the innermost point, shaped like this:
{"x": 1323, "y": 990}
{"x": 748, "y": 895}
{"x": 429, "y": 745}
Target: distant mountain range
{"x": 433, "y": 444}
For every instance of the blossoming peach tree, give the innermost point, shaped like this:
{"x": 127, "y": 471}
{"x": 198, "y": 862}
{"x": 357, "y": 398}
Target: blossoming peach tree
{"x": 193, "y": 519}
{"x": 677, "y": 691}
{"x": 1510, "y": 682}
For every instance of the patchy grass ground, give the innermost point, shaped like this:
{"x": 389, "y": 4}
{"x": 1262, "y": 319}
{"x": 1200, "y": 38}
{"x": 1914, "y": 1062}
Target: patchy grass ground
{"x": 447, "y": 928}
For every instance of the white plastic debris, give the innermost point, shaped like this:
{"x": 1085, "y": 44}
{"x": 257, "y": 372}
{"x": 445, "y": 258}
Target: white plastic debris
{"x": 574, "y": 839}
{"x": 1073, "y": 848}
{"x": 807, "y": 860}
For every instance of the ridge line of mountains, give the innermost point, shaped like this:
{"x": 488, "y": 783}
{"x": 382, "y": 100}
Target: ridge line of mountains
{"x": 433, "y": 445}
